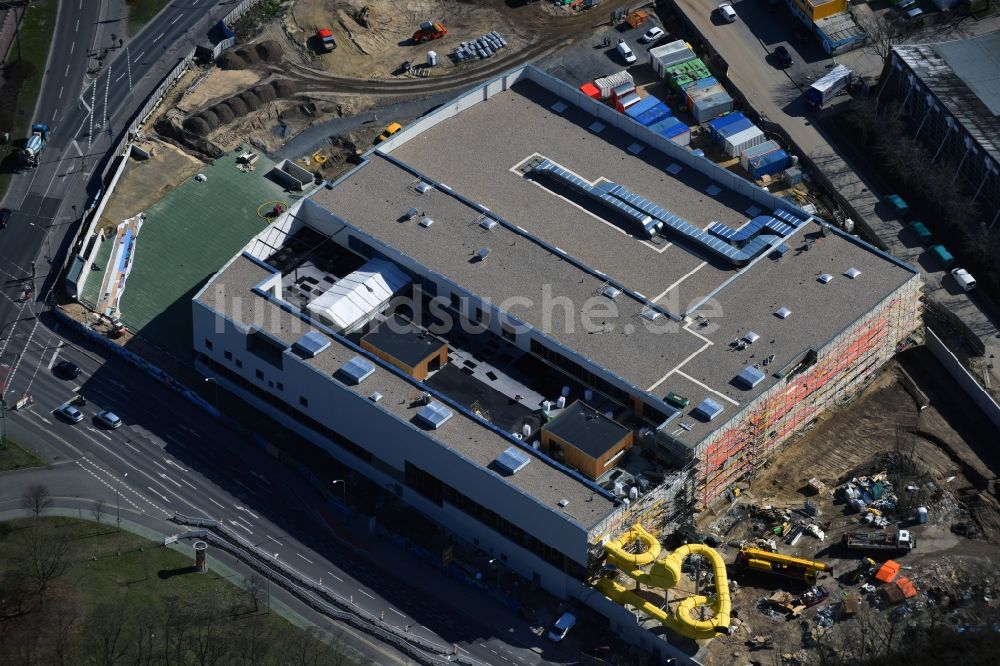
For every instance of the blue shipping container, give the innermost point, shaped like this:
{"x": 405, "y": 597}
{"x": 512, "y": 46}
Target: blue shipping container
{"x": 654, "y": 115}
{"x": 769, "y": 164}
{"x": 732, "y": 129}
{"x": 645, "y": 104}
{"x": 716, "y": 124}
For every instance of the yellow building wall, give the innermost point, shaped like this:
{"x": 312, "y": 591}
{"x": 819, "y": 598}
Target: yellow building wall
{"x": 817, "y": 9}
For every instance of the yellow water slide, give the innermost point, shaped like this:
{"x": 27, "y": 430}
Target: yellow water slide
{"x": 664, "y": 574}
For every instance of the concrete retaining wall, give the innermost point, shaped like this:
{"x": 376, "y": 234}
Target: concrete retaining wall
{"x": 968, "y": 383}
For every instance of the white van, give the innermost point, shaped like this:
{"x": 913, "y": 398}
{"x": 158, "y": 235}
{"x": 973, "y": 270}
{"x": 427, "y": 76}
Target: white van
{"x": 727, "y": 12}
{"x": 964, "y": 279}
{"x": 626, "y": 52}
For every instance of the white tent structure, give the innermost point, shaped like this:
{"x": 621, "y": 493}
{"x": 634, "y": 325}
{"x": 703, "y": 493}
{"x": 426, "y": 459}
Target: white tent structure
{"x": 357, "y": 298}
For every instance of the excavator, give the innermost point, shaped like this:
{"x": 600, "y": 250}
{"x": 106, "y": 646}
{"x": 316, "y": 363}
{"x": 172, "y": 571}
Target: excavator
{"x": 646, "y": 567}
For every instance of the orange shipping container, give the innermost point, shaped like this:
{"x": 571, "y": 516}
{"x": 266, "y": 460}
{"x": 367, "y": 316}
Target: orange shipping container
{"x": 590, "y": 90}
{"x": 887, "y": 572}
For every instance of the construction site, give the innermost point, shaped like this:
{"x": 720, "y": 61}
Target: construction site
{"x": 847, "y": 487}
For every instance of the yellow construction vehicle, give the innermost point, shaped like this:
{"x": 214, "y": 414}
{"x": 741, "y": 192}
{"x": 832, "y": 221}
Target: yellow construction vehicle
{"x": 785, "y": 565}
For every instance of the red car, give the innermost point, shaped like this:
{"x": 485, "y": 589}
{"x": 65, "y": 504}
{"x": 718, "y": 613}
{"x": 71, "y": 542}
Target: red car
{"x": 813, "y": 596}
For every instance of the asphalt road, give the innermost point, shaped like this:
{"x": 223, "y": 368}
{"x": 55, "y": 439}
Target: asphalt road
{"x": 178, "y": 459}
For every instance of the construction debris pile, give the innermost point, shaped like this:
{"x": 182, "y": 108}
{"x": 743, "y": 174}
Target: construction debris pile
{"x": 479, "y": 49}
{"x": 870, "y": 492}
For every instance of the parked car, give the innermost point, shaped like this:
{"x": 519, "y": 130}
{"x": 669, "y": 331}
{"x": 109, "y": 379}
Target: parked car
{"x": 727, "y": 12}
{"x": 109, "y": 420}
{"x": 914, "y": 13}
{"x": 625, "y": 52}
{"x": 70, "y": 413}
{"x": 652, "y": 34}
{"x": 562, "y": 626}
{"x": 66, "y": 370}
{"x": 905, "y": 4}
{"x": 898, "y": 206}
{"x": 964, "y": 279}
{"x": 783, "y": 57}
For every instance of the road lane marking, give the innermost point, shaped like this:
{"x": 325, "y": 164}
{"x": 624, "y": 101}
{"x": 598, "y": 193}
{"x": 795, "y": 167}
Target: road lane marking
{"x": 216, "y": 503}
{"x": 119, "y": 78}
{"x": 243, "y": 508}
{"x": 129, "y": 445}
{"x": 54, "y": 115}
{"x": 164, "y": 476}
{"x": 190, "y": 485}
{"x": 309, "y": 561}
{"x": 158, "y": 494}
{"x": 171, "y": 462}
{"x": 71, "y": 47}
{"x": 141, "y": 53}
{"x": 101, "y": 433}
{"x": 365, "y": 593}
{"x": 60, "y": 92}
{"x": 333, "y": 575}
{"x": 77, "y": 28}
{"x": 158, "y": 465}
{"x": 44, "y": 419}
{"x": 396, "y": 612}
{"x": 176, "y": 19}
{"x": 67, "y": 72}
{"x": 155, "y": 40}
{"x": 240, "y": 525}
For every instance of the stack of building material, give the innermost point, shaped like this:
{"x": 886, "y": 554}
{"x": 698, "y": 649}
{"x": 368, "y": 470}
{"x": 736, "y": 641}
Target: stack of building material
{"x": 708, "y": 102}
{"x": 683, "y": 75}
{"x": 648, "y": 111}
{"x": 757, "y": 151}
{"x": 769, "y": 164}
{"x": 670, "y": 54}
{"x": 607, "y": 84}
{"x": 644, "y": 104}
{"x": 735, "y": 143}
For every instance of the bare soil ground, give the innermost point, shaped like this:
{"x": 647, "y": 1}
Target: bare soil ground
{"x": 213, "y": 84}
{"x": 884, "y": 430}
{"x": 373, "y": 36}
{"x": 145, "y": 182}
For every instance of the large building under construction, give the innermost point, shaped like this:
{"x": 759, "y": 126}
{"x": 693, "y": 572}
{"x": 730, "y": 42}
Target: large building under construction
{"x": 538, "y": 322}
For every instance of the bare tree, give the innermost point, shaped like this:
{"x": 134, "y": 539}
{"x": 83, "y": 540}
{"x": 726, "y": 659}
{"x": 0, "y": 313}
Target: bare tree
{"x": 100, "y": 510}
{"x": 883, "y": 34}
{"x": 106, "y": 645}
{"x": 255, "y": 590}
{"x": 43, "y": 559}
{"x": 36, "y": 499}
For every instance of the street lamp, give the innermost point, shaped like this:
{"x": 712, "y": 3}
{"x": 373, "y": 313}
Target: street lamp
{"x": 215, "y": 383}
{"x": 118, "y": 499}
{"x": 335, "y": 482}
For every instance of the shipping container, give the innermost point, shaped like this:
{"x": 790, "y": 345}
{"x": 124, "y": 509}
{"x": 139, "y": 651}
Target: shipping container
{"x": 607, "y": 84}
{"x": 922, "y": 233}
{"x": 707, "y": 103}
{"x": 793, "y": 175}
{"x": 735, "y": 144}
{"x": 727, "y": 125}
{"x": 757, "y": 151}
{"x": 645, "y": 104}
{"x": 673, "y": 129}
{"x": 623, "y": 90}
{"x": 717, "y": 124}
{"x": 654, "y": 115}
{"x": 829, "y": 86}
{"x": 898, "y": 206}
{"x": 625, "y": 102}
{"x": 590, "y": 90}
{"x": 769, "y": 164}
{"x": 670, "y": 54}
{"x": 733, "y": 128}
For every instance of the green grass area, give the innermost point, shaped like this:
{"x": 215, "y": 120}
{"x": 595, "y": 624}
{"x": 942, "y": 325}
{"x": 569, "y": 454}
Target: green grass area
{"x": 13, "y": 456}
{"x": 141, "y": 12}
{"x": 115, "y": 597}
{"x": 23, "y": 81}
{"x": 186, "y": 237}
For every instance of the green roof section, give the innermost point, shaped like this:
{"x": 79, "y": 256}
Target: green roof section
{"x": 92, "y": 287}
{"x": 186, "y": 236}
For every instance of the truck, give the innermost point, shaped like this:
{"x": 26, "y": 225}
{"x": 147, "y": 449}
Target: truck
{"x": 35, "y": 144}
{"x": 829, "y": 86}
{"x": 901, "y": 540}
{"x": 325, "y": 38}
{"x": 429, "y": 31}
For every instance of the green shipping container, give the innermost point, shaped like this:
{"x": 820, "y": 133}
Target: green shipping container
{"x": 682, "y": 75}
{"x": 943, "y": 256}
{"x": 922, "y": 233}
{"x": 678, "y": 401}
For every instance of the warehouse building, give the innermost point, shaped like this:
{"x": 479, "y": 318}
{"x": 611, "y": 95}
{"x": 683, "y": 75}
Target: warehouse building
{"x": 580, "y": 324}
{"x": 951, "y": 93}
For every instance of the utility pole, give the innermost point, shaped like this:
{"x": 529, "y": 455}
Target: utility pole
{"x": 118, "y": 500}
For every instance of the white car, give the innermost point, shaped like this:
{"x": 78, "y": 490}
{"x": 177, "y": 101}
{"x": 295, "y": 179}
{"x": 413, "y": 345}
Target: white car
{"x": 70, "y": 413}
{"x": 109, "y": 420}
{"x": 625, "y": 52}
{"x": 652, "y": 35}
{"x": 562, "y": 626}
{"x": 964, "y": 279}
{"x": 727, "y": 12}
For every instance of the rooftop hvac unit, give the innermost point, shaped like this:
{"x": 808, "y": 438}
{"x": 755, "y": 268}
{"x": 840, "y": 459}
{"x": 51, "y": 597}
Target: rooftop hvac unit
{"x": 526, "y": 430}
{"x": 563, "y": 503}
{"x": 546, "y": 405}
{"x": 611, "y": 292}
{"x": 426, "y": 222}
{"x": 633, "y": 493}
{"x": 825, "y": 277}
{"x": 650, "y": 314}
{"x": 375, "y": 397}
{"x": 852, "y": 273}
{"x": 561, "y": 402}
{"x": 482, "y": 253}
{"x": 588, "y": 395}
{"x": 488, "y": 223}
{"x": 782, "y": 313}
{"x": 423, "y": 187}
{"x": 751, "y": 337}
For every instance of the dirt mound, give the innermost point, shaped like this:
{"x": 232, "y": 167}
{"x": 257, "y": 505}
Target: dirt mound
{"x": 230, "y": 60}
{"x": 284, "y": 87}
{"x": 196, "y": 125}
{"x": 264, "y": 93}
{"x": 250, "y": 99}
{"x": 224, "y": 113}
{"x": 269, "y": 51}
{"x": 249, "y": 55}
{"x": 209, "y": 117}
{"x": 181, "y": 136}
{"x": 238, "y": 106}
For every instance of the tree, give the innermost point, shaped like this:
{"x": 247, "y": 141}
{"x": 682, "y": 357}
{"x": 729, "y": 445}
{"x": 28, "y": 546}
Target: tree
{"x": 36, "y": 499}
{"x": 99, "y": 510}
{"x": 106, "y": 645}
{"x": 255, "y": 590}
{"x": 883, "y": 34}
{"x": 43, "y": 559}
